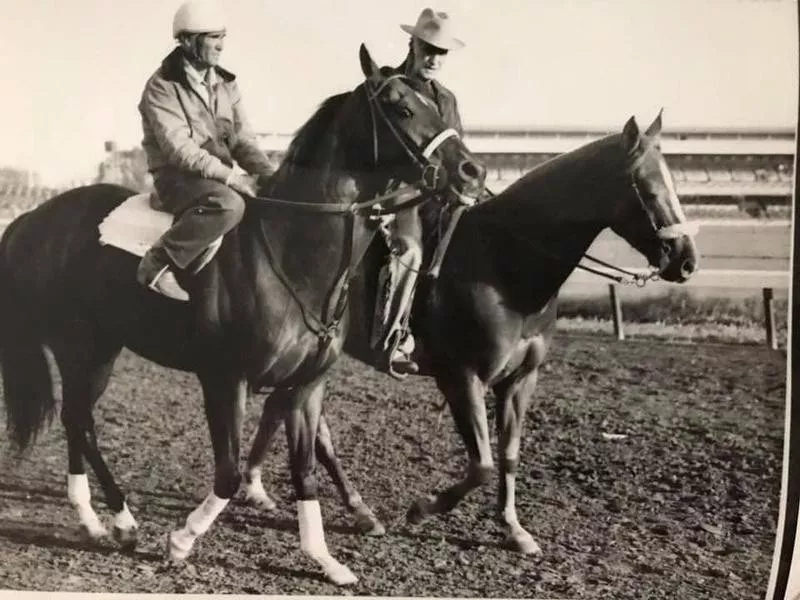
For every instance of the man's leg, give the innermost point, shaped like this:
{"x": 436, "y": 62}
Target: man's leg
{"x": 205, "y": 211}
{"x": 405, "y": 261}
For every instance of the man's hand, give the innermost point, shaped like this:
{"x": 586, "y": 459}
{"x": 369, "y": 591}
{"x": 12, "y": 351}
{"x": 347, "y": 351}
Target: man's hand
{"x": 244, "y": 184}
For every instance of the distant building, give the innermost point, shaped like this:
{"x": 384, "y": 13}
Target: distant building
{"x": 709, "y": 166}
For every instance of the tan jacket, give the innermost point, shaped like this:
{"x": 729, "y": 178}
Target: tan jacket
{"x": 182, "y": 131}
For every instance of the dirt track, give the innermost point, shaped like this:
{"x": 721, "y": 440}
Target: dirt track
{"x": 684, "y": 507}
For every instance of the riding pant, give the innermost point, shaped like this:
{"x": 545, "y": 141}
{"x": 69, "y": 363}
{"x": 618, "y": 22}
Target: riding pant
{"x": 205, "y": 210}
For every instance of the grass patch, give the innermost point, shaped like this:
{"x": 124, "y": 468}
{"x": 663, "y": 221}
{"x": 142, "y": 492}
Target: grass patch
{"x": 677, "y": 314}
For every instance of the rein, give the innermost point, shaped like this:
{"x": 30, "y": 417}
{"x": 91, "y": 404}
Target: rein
{"x": 328, "y": 326}
{"x": 667, "y": 232}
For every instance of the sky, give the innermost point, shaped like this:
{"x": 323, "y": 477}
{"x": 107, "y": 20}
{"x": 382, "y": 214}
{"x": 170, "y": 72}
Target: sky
{"x": 75, "y": 69}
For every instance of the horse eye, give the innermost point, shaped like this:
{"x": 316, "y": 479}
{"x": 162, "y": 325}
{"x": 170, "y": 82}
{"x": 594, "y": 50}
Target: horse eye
{"x": 403, "y": 111}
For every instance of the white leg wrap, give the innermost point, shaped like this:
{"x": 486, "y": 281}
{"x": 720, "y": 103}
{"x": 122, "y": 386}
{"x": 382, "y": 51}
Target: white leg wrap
{"x": 312, "y": 543}
{"x": 197, "y": 523}
{"x": 124, "y": 519}
{"x": 81, "y": 498}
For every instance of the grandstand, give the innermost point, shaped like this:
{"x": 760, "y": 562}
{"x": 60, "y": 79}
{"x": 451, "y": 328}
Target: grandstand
{"x": 709, "y": 166}
{"x": 735, "y": 170}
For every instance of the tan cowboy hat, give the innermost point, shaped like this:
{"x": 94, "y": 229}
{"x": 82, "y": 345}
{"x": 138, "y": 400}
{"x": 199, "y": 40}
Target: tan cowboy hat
{"x": 434, "y": 28}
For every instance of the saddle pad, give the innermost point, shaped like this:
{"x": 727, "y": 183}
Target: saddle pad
{"x": 134, "y": 225}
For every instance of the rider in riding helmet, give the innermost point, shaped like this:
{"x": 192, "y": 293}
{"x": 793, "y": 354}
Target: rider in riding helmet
{"x": 195, "y": 130}
{"x": 428, "y": 48}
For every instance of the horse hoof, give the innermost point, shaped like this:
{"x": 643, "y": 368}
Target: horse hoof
{"x": 340, "y": 575}
{"x": 418, "y": 512}
{"x": 261, "y": 502}
{"x": 369, "y": 525}
{"x": 94, "y": 533}
{"x": 176, "y": 551}
{"x": 126, "y": 538}
{"x": 524, "y": 544}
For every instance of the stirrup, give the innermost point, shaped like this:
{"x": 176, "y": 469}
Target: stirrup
{"x": 406, "y": 364}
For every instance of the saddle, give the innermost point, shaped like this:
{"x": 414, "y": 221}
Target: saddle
{"x": 136, "y": 224}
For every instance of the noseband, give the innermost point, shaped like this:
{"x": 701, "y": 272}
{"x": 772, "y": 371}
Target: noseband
{"x": 667, "y": 232}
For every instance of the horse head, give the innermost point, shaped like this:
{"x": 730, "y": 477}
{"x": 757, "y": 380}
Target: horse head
{"x": 409, "y": 137}
{"x": 651, "y": 218}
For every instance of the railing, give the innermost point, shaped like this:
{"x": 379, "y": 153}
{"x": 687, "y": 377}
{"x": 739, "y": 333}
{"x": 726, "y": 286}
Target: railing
{"x": 735, "y": 254}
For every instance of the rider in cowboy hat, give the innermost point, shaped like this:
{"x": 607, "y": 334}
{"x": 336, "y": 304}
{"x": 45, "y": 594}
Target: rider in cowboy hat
{"x": 194, "y": 129}
{"x": 431, "y": 41}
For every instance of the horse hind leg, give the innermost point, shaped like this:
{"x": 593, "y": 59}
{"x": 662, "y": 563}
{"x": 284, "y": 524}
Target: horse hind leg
{"x": 512, "y": 401}
{"x": 271, "y": 419}
{"x": 366, "y": 521}
{"x": 255, "y": 494}
{"x": 85, "y": 376}
{"x": 466, "y": 396}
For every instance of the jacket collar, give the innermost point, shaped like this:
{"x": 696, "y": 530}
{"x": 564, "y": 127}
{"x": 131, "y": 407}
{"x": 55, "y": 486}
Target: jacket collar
{"x": 421, "y": 84}
{"x": 172, "y": 69}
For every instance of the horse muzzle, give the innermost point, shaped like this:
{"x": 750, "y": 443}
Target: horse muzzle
{"x": 679, "y": 258}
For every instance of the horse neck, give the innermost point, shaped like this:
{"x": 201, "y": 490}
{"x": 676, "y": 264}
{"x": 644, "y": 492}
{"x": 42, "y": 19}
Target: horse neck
{"x": 312, "y": 250}
{"x": 554, "y": 213}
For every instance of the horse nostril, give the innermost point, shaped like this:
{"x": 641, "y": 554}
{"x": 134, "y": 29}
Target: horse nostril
{"x": 687, "y": 267}
{"x": 469, "y": 170}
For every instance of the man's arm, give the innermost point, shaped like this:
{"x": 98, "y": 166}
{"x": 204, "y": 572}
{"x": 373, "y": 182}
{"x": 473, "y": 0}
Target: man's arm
{"x": 162, "y": 111}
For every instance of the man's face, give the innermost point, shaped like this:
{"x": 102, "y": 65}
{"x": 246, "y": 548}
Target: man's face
{"x": 207, "y": 48}
{"x": 427, "y": 60}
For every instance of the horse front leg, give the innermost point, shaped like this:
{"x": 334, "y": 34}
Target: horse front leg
{"x": 465, "y": 394}
{"x": 513, "y": 398}
{"x": 225, "y": 397}
{"x": 302, "y": 425}
{"x": 366, "y": 521}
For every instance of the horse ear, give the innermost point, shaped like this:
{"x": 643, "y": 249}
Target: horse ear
{"x": 368, "y": 66}
{"x": 655, "y": 126}
{"x": 630, "y": 135}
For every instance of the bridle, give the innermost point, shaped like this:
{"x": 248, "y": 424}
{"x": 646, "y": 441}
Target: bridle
{"x": 625, "y": 277}
{"x": 663, "y": 232}
{"x": 430, "y": 171}
{"x": 328, "y": 325}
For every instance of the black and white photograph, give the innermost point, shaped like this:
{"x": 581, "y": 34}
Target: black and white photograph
{"x": 453, "y": 299}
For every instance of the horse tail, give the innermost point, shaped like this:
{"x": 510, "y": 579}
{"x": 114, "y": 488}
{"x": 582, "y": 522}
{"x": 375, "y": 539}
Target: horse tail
{"x": 27, "y": 383}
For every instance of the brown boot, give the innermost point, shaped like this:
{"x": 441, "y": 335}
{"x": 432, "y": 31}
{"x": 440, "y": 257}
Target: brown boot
{"x": 154, "y": 273}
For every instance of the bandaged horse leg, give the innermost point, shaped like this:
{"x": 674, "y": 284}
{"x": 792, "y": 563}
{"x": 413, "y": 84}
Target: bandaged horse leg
{"x": 302, "y": 423}
{"x": 81, "y": 498}
{"x": 225, "y": 396}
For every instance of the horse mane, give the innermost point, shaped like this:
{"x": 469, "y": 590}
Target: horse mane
{"x": 302, "y": 151}
{"x": 583, "y": 154}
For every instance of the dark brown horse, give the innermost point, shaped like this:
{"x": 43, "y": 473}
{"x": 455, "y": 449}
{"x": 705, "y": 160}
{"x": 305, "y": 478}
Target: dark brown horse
{"x": 268, "y": 310}
{"x": 487, "y": 320}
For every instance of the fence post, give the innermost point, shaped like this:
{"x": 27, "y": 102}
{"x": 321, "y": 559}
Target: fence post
{"x": 769, "y": 318}
{"x": 616, "y": 308}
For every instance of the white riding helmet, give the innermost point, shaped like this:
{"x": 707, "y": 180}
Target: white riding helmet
{"x": 198, "y": 16}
